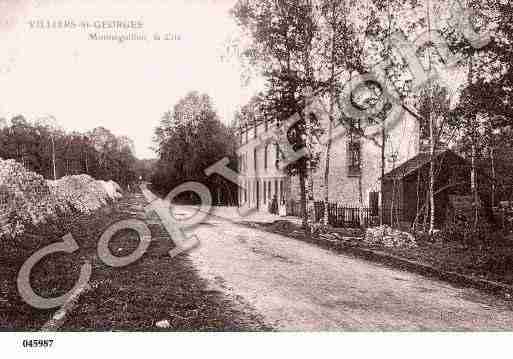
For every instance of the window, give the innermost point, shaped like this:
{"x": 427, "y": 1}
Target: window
{"x": 354, "y": 156}
{"x": 265, "y": 191}
{"x": 354, "y": 125}
{"x": 277, "y": 162}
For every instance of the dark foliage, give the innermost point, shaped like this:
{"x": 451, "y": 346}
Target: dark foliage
{"x": 190, "y": 139}
{"x": 97, "y": 153}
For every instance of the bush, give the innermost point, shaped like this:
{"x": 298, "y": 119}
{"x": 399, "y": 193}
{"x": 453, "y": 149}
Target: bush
{"x": 484, "y": 234}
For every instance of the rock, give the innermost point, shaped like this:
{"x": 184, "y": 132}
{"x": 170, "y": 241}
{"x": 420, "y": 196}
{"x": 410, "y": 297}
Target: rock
{"x": 111, "y": 188}
{"x": 163, "y": 324}
{"x": 389, "y": 237}
{"x": 329, "y": 237}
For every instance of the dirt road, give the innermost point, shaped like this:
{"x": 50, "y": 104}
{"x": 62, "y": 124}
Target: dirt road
{"x": 298, "y": 286}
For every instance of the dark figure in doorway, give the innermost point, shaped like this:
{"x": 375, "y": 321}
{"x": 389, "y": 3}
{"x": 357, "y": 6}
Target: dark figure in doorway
{"x": 274, "y": 205}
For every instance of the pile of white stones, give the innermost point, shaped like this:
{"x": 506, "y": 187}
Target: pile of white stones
{"x": 26, "y": 197}
{"x": 388, "y": 237}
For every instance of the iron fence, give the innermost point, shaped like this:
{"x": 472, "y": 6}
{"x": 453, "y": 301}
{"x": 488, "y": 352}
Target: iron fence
{"x": 348, "y": 216}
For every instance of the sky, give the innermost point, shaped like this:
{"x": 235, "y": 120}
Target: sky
{"x": 125, "y": 87}
{"x": 49, "y": 69}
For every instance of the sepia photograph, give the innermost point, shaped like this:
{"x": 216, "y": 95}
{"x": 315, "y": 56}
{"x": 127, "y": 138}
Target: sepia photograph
{"x": 322, "y": 168}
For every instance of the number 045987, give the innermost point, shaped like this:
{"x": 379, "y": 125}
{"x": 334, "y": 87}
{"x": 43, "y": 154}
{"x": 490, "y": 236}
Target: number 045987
{"x": 37, "y": 343}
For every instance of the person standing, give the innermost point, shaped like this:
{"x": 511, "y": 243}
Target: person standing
{"x": 274, "y": 205}
{"x": 283, "y": 208}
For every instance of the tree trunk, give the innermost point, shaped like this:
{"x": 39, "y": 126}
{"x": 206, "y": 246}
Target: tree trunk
{"x": 307, "y": 97}
{"x": 492, "y": 160}
{"x": 383, "y": 142}
{"x": 53, "y": 159}
{"x": 392, "y": 205}
{"x": 309, "y": 197}
{"x": 325, "y": 219}
{"x": 302, "y": 190}
{"x": 431, "y": 176}
{"x": 415, "y": 222}
{"x": 360, "y": 201}
{"x": 426, "y": 212}
{"x": 431, "y": 140}
{"x": 473, "y": 185}
{"x": 326, "y": 176}
{"x": 86, "y": 163}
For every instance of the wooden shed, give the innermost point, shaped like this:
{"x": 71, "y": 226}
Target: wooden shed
{"x": 405, "y": 188}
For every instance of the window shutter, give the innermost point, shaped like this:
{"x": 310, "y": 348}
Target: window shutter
{"x": 265, "y": 156}
{"x": 255, "y": 158}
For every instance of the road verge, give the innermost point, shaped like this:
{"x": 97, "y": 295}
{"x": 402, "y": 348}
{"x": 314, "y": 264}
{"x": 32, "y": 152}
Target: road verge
{"x": 503, "y": 290}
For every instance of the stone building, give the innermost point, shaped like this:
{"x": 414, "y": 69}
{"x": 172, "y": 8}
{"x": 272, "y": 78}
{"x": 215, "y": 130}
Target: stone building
{"x": 355, "y": 162}
{"x": 258, "y": 166}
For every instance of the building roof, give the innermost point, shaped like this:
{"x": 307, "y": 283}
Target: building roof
{"x": 415, "y": 163}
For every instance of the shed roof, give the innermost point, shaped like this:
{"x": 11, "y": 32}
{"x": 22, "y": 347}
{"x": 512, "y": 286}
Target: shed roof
{"x": 417, "y": 162}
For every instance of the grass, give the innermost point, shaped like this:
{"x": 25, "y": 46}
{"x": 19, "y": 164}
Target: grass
{"x": 156, "y": 287}
{"x": 492, "y": 261}
{"x": 131, "y": 298}
{"x": 55, "y": 274}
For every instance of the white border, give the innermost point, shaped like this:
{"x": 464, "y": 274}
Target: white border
{"x": 262, "y": 345}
